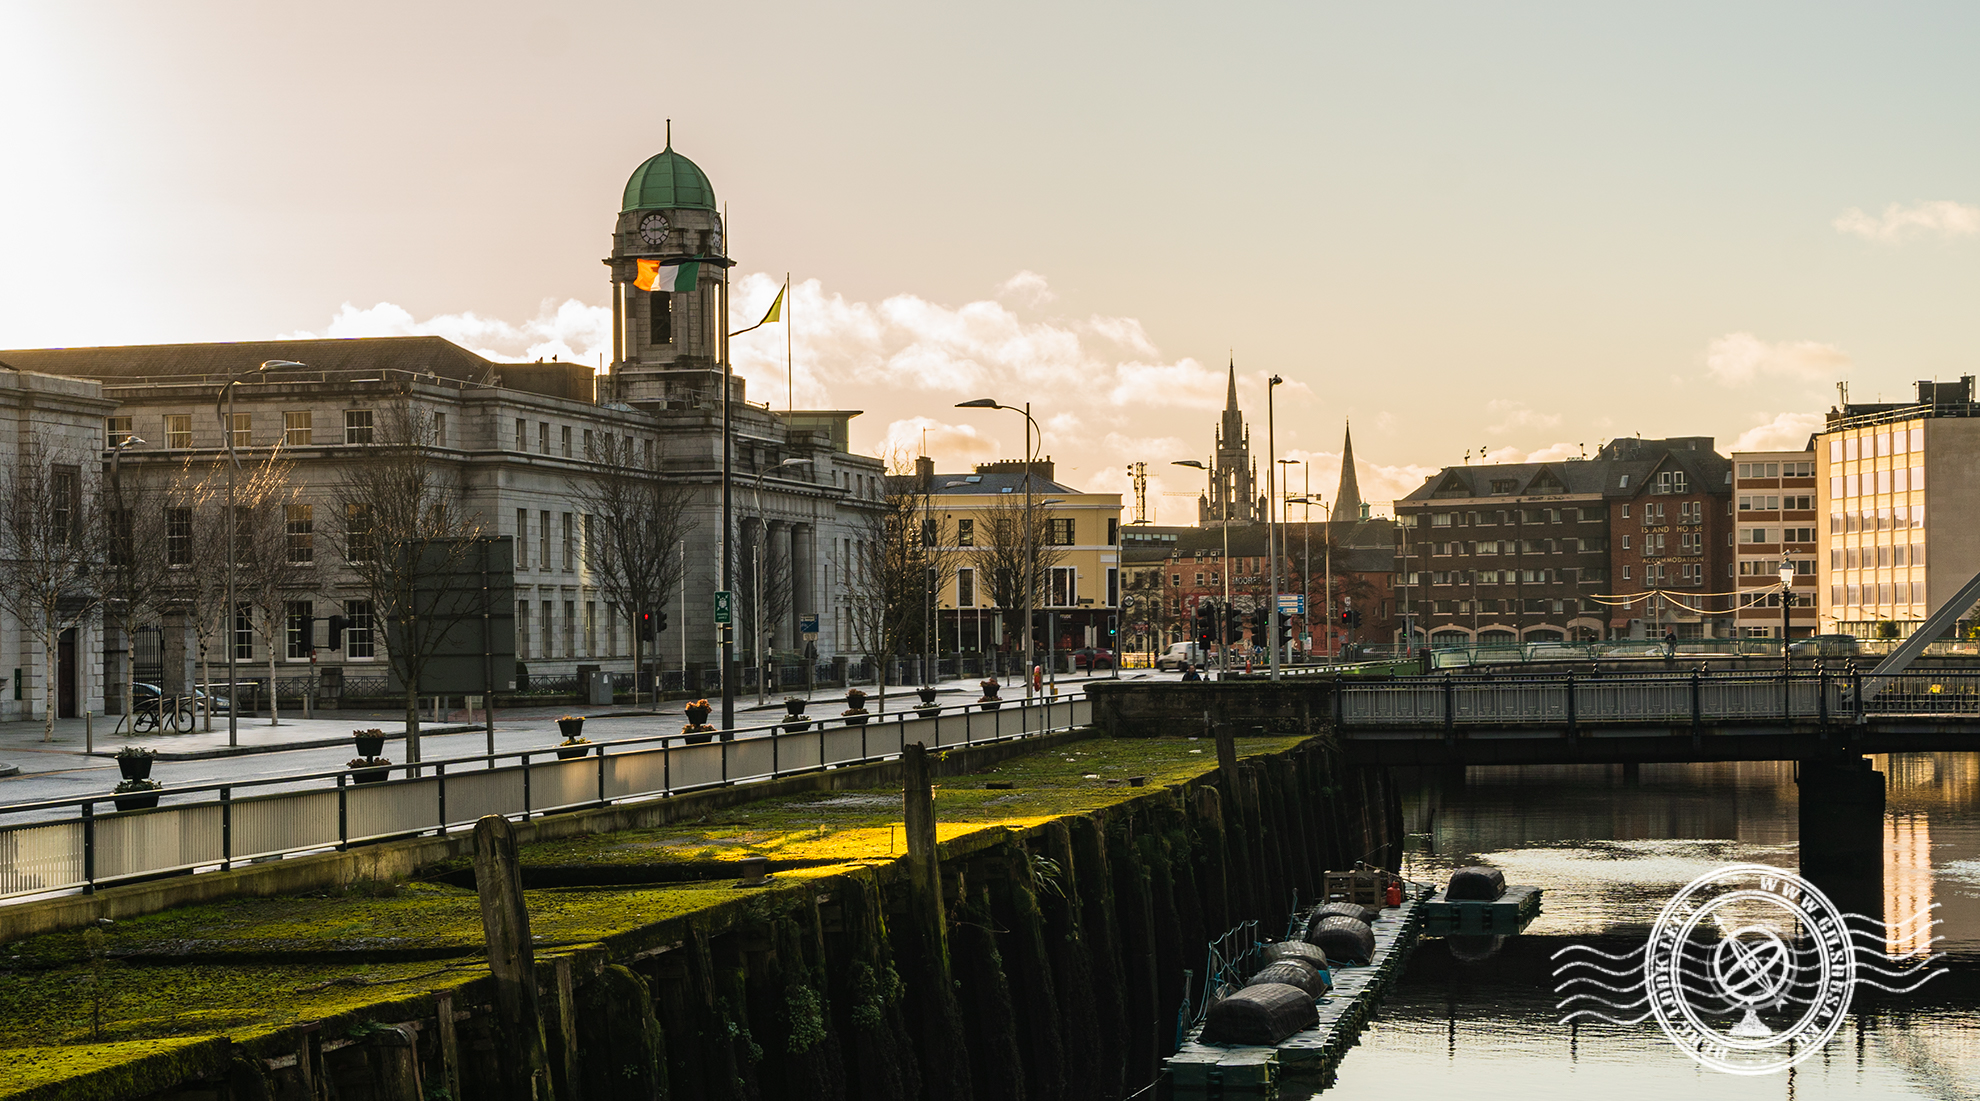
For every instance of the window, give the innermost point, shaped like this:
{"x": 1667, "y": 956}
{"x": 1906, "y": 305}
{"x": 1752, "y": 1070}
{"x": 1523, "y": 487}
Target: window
{"x": 1113, "y": 531}
{"x": 549, "y": 641}
{"x": 591, "y": 449}
{"x": 439, "y": 429}
{"x": 965, "y": 588}
{"x": 1199, "y": 579}
{"x": 660, "y": 317}
{"x": 1798, "y": 535}
{"x": 302, "y": 535}
{"x": 1625, "y": 545}
{"x": 565, "y": 439}
{"x": 570, "y": 544}
{"x": 115, "y": 431}
{"x": 1113, "y": 587}
{"x": 358, "y": 546}
{"x": 1065, "y": 587}
{"x": 543, "y": 437}
{"x": 300, "y": 627}
{"x": 522, "y": 538}
{"x": 296, "y": 430}
{"x": 1062, "y": 531}
{"x": 570, "y": 628}
{"x": 178, "y": 536}
{"x": 243, "y": 632}
{"x": 178, "y": 430}
{"x": 1625, "y": 567}
{"x": 522, "y": 434}
{"x": 965, "y": 533}
{"x": 543, "y": 561}
{"x": 358, "y": 642}
{"x": 243, "y": 429}
{"x": 1625, "y": 512}
{"x": 522, "y": 629}
{"x": 1798, "y": 470}
{"x": 1440, "y": 519}
{"x": 357, "y": 426}
{"x": 591, "y": 628}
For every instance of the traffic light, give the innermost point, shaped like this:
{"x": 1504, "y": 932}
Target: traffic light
{"x": 1233, "y": 625}
{"x": 1261, "y": 621}
{"x": 646, "y": 626}
{"x": 1113, "y": 629}
{"x": 1347, "y": 617}
{"x": 1206, "y": 624}
{"x": 338, "y": 625}
{"x": 1285, "y": 633}
{"x": 659, "y": 622}
{"x": 1354, "y": 617}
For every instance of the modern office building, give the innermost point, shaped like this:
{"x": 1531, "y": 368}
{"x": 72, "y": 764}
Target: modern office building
{"x": 1900, "y": 487}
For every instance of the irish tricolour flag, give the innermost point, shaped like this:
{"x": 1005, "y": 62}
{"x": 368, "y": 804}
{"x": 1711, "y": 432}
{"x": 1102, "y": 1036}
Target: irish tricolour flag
{"x": 667, "y": 275}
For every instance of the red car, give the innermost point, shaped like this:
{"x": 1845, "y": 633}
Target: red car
{"x": 1092, "y": 658}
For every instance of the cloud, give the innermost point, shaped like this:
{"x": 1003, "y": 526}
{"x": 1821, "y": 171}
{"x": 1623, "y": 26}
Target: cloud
{"x": 1942, "y": 218}
{"x": 1028, "y": 287}
{"x": 571, "y": 331}
{"x": 1786, "y": 432}
{"x": 1517, "y": 414}
{"x": 1737, "y": 359}
{"x": 955, "y": 446}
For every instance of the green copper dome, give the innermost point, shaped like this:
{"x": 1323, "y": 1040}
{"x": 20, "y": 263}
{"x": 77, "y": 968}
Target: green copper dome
{"x": 669, "y": 181}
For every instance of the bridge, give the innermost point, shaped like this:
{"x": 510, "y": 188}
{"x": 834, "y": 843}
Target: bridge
{"x": 1640, "y": 717}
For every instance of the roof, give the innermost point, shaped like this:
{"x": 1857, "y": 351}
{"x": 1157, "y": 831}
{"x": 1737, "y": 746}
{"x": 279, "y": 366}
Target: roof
{"x": 1371, "y": 542}
{"x": 669, "y": 181}
{"x": 1622, "y": 469}
{"x": 996, "y": 481}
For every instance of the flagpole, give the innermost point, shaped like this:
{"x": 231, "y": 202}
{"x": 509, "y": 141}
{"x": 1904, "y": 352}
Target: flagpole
{"x": 790, "y": 380}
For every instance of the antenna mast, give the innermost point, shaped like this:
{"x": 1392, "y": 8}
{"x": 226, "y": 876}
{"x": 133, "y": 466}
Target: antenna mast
{"x": 1140, "y": 472}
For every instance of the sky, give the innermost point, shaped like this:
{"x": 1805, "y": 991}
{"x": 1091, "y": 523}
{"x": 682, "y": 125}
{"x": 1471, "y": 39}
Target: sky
{"x": 1479, "y": 232}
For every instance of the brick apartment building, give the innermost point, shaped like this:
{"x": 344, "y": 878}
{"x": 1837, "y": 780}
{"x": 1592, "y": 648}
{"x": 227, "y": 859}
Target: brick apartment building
{"x": 1775, "y": 508}
{"x": 1631, "y": 543}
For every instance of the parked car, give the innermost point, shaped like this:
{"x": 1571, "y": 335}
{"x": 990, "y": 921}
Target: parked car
{"x": 144, "y": 693}
{"x": 1181, "y": 653}
{"x": 1093, "y": 658}
{"x": 1826, "y": 646}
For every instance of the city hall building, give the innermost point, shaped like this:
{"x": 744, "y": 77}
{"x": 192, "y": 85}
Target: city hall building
{"x": 518, "y": 438}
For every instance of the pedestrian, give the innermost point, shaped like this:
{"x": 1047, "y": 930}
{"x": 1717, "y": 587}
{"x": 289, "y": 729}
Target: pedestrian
{"x": 1189, "y": 672}
{"x": 1670, "y": 642}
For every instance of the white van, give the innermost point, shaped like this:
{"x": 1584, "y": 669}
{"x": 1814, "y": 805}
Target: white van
{"x": 1180, "y": 653}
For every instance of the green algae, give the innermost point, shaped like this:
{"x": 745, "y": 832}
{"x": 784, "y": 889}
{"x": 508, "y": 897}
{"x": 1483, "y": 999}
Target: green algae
{"x": 85, "y": 1072}
{"x": 249, "y": 967}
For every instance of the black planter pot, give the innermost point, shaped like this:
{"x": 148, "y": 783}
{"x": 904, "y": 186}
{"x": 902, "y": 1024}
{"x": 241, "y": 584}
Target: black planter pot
{"x": 135, "y": 768}
{"x": 798, "y": 726}
{"x": 988, "y": 704}
{"x": 370, "y": 775}
{"x": 571, "y": 727}
{"x": 141, "y": 801}
{"x": 369, "y": 745}
{"x": 696, "y": 715}
{"x": 928, "y": 710}
{"x": 857, "y": 718}
{"x": 927, "y": 695}
{"x": 702, "y": 738}
{"x": 572, "y": 752}
{"x": 795, "y": 707}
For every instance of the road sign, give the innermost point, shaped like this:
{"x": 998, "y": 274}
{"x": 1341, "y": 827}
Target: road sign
{"x": 808, "y": 625}
{"x": 725, "y": 605}
{"x": 1292, "y": 604}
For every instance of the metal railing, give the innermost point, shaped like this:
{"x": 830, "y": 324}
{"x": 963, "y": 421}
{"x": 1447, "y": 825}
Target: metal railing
{"x": 1661, "y": 699}
{"x": 74, "y": 846}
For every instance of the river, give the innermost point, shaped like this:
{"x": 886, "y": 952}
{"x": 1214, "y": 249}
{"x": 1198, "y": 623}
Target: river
{"x": 1609, "y": 850}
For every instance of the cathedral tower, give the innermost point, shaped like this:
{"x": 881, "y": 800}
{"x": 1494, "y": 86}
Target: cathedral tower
{"x": 1234, "y": 477}
{"x": 667, "y": 284}
{"x": 1347, "y": 499}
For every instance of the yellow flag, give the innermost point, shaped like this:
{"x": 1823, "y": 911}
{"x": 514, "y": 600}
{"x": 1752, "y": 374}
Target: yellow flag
{"x": 776, "y": 309}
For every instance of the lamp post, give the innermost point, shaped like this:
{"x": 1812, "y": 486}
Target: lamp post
{"x": 1271, "y": 525}
{"x": 121, "y": 545}
{"x": 756, "y": 594}
{"x": 1307, "y": 502}
{"x": 224, "y": 409}
{"x": 1306, "y": 528}
{"x": 1030, "y": 529}
{"x": 1224, "y": 617}
{"x": 1787, "y": 605}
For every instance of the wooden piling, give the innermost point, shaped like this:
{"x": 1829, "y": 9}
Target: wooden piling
{"x": 511, "y": 960}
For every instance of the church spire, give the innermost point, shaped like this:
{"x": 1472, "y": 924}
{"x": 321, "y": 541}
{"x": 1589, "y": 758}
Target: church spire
{"x": 1347, "y": 499}
{"x": 1230, "y": 402}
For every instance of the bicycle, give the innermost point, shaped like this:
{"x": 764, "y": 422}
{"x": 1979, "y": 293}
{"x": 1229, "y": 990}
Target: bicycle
{"x": 152, "y": 713}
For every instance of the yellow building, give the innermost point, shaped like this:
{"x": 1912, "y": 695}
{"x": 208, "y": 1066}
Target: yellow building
{"x": 981, "y": 516}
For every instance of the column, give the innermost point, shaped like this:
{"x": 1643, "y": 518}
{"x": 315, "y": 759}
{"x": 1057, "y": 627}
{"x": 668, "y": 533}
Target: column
{"x": 777, "y": 583}
{"x": 804, "y": 577}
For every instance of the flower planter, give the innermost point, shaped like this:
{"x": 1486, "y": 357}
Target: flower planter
{"x": 144, "y": 801}
{"x": 928, "y": 710}
{"x": 571, "y": 727}
{"x": 989, "y": 704}
{"x": 698, "y": 737}
{"x": 369, "y": 744}
{"x": 855, "y": 717}
{"x": 797, "y": 726}
{"x": 989, "y": 688}
{"x": 572, "y": 752}
{"x": 370, "y": 775}
{"x": 697, "y": 716}
{"x": 927, "y": 695}
{"x": 135, "y": 768}
{"x": 795, "y": 707}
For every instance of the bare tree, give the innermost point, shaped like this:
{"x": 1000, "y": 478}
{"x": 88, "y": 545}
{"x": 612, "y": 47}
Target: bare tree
{"x": 51, "y": 548}
{"x": 634, "y": 522}
{"x": 274, "y": 547}
{"x": 403, "y": 526}
{"x": 138, "y": 578}
{"x": 195, "y": 523}
{"x": 899, "y": 557}
{"x": 1009, "y": 561}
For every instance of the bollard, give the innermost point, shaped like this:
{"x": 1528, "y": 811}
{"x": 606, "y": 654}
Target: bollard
{"x": 89, "y": 733}
{"x": 511, "y": 959}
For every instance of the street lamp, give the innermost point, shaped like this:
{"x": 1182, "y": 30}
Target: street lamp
{"x": 1787, "y": 603}
{"x": 1030, "y": 532}
{"x": 1306, "y": 526}
{"x": 1224, "y": 618}
{"x": 1271, "y": 526}
{"x": 224, "y": 409}
{"x": 756, "y": 595}
{"x": 120, "y": 536}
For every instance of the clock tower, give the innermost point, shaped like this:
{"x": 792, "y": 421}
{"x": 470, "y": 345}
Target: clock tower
{"x": 668, "y": 340}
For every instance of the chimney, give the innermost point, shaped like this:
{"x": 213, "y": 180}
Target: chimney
{"x": 924, "y": 472}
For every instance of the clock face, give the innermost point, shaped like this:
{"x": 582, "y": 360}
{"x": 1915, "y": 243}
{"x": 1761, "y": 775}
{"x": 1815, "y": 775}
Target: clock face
{"x": 653, "y": 229}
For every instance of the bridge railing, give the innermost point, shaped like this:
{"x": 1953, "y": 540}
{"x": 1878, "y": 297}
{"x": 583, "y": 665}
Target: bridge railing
{"x": 71, "y": 844}
{"x": 1659, "y": 699}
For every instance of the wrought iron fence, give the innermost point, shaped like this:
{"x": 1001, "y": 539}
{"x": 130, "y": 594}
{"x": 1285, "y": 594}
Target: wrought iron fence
{"x": 70, "y": 844}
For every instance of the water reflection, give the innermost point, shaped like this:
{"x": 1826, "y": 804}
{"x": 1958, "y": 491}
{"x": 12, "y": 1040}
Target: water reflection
{"x": 1609, "y": 846}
